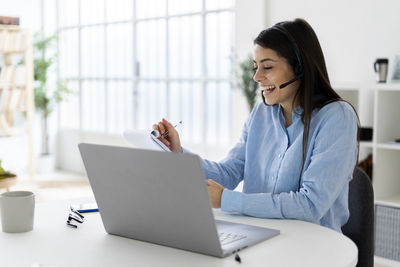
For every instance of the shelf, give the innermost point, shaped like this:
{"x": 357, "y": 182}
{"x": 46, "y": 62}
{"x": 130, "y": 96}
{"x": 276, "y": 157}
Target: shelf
{"x": 12, "y": 51}
{"x": 366, "y": 144}
{"x": 387, "y": 87}
{"x": 389, "y": 201}
{"x": 386, "y": 262}
{"x": 10, "y": 27}
{"x": 392, "y": 146}
{"x": 390, "y": 86}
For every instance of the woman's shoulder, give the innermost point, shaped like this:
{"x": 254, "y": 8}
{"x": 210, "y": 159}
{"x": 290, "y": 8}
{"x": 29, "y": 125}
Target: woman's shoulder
{"x": 337, "y": 110}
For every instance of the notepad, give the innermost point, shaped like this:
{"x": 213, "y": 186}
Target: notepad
{"x": 143, "y": 139}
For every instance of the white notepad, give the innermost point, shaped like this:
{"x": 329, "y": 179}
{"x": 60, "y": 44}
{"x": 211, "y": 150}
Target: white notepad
{"x": 143, "y": 139}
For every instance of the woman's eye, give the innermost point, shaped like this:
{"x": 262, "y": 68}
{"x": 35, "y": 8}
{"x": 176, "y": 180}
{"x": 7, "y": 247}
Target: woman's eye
{"x": 267, "y": 68}
{"x": 255, "y": 68}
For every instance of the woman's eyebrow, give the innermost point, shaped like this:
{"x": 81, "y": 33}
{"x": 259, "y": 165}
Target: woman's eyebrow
{"x": 265, "y": 59}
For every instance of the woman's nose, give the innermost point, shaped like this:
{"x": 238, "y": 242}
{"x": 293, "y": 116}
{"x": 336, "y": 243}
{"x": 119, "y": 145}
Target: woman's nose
{"x": 257, "y": 76}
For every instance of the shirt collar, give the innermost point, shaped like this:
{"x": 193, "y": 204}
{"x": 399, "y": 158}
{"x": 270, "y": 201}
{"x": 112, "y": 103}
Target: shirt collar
{"x": 296, "y": 114}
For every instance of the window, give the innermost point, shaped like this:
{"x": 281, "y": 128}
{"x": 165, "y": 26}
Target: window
{"x": 132, "y": 62}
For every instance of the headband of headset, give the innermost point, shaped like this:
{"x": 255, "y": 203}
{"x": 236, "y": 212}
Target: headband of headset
{"x": 298, "y": 68}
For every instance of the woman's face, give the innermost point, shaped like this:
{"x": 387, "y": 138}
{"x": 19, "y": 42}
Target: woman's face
{"x": 272, "y": 71}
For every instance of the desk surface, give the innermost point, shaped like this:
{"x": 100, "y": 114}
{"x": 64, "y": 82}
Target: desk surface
{"x": 52, "y": 242}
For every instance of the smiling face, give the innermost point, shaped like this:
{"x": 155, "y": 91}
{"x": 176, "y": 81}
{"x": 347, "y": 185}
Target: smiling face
{"x": 272, "y": 71}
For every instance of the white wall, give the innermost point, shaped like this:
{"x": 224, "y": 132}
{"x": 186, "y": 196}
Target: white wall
{"x": 250, "y": 20}
{"x": 352, "y": 33}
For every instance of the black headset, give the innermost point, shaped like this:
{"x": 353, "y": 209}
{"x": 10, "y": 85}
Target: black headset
{"x": 298, "y": 67}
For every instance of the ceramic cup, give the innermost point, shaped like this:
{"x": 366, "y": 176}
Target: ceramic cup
{"x": 17, "y": 211}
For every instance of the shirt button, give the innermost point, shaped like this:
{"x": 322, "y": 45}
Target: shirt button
{"x": 279, "y": 156}
{"x": 273, "y": 178}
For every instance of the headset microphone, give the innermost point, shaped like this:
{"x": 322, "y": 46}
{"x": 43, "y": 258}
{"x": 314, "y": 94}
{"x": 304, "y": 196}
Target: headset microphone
{"x": 283, "y": 85}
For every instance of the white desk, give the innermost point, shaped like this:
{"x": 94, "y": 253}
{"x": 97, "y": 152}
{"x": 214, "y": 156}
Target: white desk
{"x": 53, "y": 242}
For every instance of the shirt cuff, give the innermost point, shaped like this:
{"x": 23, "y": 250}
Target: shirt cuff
{"x": 231, "y": 201}
{"x": 185, "y": 151}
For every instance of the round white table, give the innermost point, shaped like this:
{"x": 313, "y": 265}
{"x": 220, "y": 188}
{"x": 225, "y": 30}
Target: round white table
{"x": 53, "y": 243}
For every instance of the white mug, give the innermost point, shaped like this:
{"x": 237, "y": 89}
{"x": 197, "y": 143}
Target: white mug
{"x": 17, "y": 211}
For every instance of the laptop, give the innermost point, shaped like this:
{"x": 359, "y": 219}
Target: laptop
{"x": 162, "y": 198}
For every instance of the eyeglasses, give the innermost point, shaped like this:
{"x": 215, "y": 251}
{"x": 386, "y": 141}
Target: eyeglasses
{"x": 76, "y": 216}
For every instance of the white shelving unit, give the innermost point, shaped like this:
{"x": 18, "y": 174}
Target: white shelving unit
{"x": 384, "y": 117}
{"x": 16, "y": 84}
{"x": 378, "y": 106}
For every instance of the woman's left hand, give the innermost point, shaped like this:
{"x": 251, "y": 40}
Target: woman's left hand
{"x": 215, "y": 192}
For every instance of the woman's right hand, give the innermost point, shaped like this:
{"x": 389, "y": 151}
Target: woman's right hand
{"x": 172, "y": 139}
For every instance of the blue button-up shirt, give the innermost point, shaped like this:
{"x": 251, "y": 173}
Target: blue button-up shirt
{"x": 268, "y": 159}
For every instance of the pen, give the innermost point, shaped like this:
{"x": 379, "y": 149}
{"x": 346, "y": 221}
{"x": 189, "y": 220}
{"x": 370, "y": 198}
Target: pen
{"x": 157, "y": 134}
{"x": 237, "y": 258}
{"x": 166, "y": 132}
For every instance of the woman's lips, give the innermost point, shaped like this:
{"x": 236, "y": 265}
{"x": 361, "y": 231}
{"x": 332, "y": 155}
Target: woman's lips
{"x": 268, "y": 89}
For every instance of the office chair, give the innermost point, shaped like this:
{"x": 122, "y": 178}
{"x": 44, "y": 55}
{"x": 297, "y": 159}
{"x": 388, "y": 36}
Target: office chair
{"x": 360, "y": 226}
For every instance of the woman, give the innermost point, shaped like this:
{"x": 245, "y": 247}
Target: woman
{"x": 298, "y": 148}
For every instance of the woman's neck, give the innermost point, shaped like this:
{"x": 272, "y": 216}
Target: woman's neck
{"x": 287, "y": 112}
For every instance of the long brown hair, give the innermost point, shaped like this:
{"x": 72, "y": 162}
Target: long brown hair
{"x": 315, "y": 90}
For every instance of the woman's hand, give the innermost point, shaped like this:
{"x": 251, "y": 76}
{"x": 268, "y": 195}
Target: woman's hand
{"x": 215, "y": 192}
{"x": 172, "y": 139}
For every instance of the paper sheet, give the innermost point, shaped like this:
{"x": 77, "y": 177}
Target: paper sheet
{"x": 142, "y": 139}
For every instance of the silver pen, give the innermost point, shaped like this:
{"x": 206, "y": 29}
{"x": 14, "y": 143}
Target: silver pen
{"x": 157, "y": 133}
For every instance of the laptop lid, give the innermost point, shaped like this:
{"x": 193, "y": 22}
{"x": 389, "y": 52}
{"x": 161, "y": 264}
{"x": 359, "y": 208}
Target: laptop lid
{"x": 157, "y": 197}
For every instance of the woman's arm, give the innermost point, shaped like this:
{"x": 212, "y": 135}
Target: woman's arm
{"x": 229, "y": 171}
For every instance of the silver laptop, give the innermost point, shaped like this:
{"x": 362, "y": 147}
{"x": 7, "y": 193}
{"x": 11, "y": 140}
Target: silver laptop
{"x": 162, "y": 198}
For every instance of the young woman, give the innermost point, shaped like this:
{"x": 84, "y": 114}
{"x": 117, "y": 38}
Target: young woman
{"x": 298, "y": 148}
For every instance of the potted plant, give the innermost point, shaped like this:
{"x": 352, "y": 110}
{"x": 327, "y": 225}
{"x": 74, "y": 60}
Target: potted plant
{"x": 46, "y": 95}
{"x": 244, "y": 76}
{"x": 5, "y": 174}
{"x": 7, "y": 178}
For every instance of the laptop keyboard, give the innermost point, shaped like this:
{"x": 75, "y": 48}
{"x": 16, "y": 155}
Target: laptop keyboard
{"x": 227, "y": 238}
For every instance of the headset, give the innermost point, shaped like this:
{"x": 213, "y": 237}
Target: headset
{"x": 298, "y": 67}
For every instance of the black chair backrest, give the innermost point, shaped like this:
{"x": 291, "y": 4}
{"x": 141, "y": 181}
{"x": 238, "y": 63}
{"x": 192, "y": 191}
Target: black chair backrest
{"x": 360, "y": 226}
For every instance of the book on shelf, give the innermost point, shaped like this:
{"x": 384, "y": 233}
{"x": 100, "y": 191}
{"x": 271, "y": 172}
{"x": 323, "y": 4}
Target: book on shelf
{"x": 9, "y": 20}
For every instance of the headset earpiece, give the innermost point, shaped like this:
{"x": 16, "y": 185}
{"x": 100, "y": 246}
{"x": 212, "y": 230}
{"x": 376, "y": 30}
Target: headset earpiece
{"x": 298, "y": 67}
{"x": 298, "y": 70}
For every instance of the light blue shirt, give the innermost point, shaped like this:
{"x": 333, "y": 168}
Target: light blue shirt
{"x": 268, "y": 159}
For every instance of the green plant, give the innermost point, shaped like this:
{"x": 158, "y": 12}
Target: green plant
{"x": 245, "y": 82}
{"x": 46, "y": 95}
{"x": 3, "y": 172}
